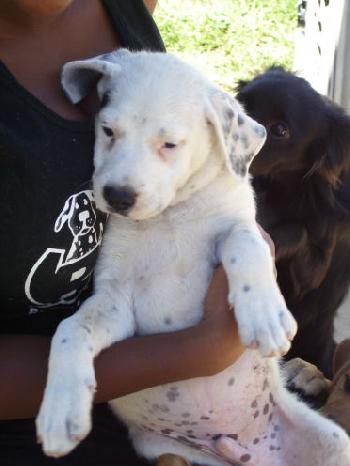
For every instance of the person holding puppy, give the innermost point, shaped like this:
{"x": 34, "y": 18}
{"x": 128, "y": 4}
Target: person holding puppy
{"x": 51, "y": 232}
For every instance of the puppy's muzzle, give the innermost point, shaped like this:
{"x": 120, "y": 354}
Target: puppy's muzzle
{"x": 119, "y": 198}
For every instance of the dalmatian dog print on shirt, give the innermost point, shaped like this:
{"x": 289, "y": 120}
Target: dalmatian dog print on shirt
{"x": 67, "y": 269}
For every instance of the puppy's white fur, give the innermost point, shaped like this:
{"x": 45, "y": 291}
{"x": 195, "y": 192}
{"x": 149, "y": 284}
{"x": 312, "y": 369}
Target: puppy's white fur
{"x": 194, "y": 208}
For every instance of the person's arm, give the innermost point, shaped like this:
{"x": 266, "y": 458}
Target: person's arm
{"x": 127, "y": 366}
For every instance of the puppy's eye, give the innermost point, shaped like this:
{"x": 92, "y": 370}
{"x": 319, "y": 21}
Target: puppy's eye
{"x": 347, "y": 384}
{"x": 279, "y": 130}
{"x": 166, "y": 150}
{"x": 108, "y": 131}
{"x": 169, "y": 145}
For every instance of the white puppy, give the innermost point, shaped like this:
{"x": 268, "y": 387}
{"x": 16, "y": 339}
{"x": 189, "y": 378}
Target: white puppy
{"x": 171, "y": 160}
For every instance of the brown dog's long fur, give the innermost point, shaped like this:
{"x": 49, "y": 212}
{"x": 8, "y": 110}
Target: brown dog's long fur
{"x": 302, "y": 180}
{"x": 338, "y": 403}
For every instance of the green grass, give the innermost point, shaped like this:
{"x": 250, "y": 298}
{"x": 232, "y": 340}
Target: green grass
{"x": 229, "y": 39}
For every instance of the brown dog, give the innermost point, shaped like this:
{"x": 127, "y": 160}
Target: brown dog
{"x": 338, "y": 403}
{"x": 309, "y": 381}
{"x": 302, "y": 182}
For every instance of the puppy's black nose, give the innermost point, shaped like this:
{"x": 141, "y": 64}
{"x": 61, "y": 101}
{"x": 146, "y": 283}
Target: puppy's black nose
{"x": 120, "y": 198}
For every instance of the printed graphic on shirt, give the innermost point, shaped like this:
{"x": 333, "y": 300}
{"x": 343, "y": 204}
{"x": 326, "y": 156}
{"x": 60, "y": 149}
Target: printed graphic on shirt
{"x": 60, "y": 275}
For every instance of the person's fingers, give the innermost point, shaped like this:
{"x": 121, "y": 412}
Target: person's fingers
{"x": 268, "y": 240}
{"x": 271, "y": 244}
{"x": 216, "y": 300}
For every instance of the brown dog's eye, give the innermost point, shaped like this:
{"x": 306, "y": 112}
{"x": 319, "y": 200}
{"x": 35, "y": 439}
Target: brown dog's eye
{"x": 279, "y": 130}
{"x": 347, "y": 384}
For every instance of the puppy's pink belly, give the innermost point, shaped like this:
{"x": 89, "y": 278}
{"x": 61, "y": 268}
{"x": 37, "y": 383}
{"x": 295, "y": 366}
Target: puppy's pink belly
{"x": 237, "y": 403}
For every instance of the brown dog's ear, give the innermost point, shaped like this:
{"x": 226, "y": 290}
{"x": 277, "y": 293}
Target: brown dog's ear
{"x": 331, "y": 152}
{"x": 342, "y": 355}
{"x": 241, "y": 85}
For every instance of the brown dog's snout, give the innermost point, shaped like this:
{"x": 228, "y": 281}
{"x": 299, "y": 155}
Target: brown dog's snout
{"x": 120, "y": 198}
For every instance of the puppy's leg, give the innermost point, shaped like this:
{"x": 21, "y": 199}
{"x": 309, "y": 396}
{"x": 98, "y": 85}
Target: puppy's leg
{"x": 172, "y": 460}
{"x": 65, "y": 414}
{"x": 262, "y": 316}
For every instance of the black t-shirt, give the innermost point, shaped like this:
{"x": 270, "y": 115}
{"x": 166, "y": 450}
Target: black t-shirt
{"x": 50, "y": 232}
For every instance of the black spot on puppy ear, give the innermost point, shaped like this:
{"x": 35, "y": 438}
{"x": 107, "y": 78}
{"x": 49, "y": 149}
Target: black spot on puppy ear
{"x": 240, "y": 120}
{"x": 230, "y": 113}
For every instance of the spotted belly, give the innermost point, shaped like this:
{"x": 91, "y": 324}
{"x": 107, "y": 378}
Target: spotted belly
{"x": 237, "y": 403}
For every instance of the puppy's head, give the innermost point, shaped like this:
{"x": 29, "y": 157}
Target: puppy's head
{"x": 306, "y": 133}
{"x": 160, "y": 124}
{"x": 338, "y": 403}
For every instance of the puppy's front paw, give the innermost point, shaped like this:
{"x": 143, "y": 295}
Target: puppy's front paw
{"x": 64, "y": 418}
{"x": 264, "y": 322}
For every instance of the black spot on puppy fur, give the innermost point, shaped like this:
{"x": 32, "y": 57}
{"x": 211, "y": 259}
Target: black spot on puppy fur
{"x": 240, "y": 120}
{"x": 231, "y": 382}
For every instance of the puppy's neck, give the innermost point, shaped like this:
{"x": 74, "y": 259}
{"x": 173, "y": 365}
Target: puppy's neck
{"x": 207, "y": 174}
{"x": 210, "y": 192}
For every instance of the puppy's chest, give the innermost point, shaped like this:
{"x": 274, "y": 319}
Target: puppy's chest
{"x": 170, "y": 278}
{"x": 167, "y": 268}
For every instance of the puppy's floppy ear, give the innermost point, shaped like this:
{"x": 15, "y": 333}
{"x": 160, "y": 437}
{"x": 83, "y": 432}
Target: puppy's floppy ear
{"x": 331, "y": 152}
{"x": 240, "y": 137}
{"x": 80, "y": 77}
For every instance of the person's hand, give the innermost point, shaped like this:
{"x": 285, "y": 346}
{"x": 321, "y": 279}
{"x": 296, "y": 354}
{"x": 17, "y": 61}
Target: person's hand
{"x": 271, "y": 245}
{"x": 218, "y": 327}
{"x": 268, "y": 240}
